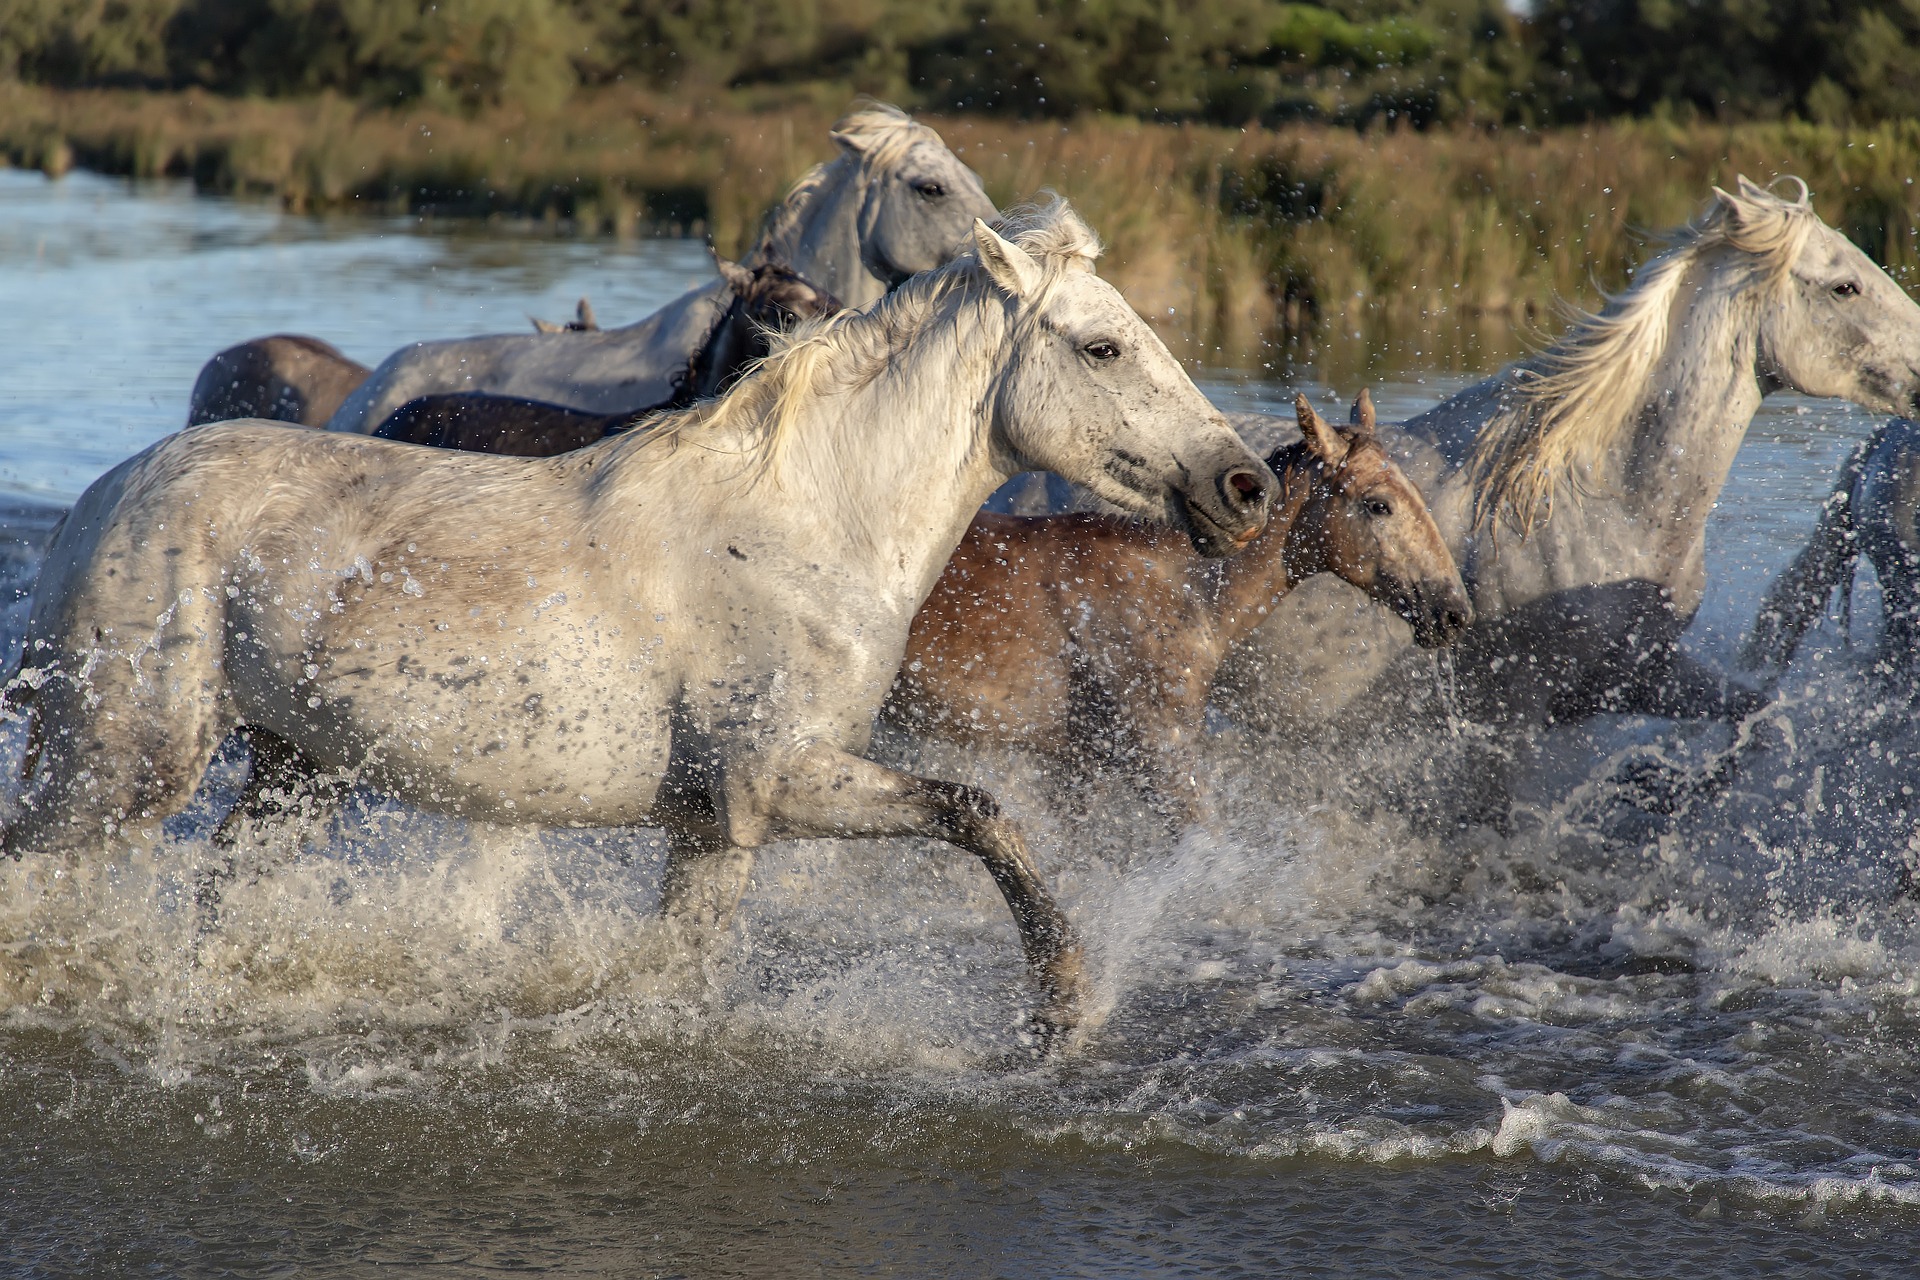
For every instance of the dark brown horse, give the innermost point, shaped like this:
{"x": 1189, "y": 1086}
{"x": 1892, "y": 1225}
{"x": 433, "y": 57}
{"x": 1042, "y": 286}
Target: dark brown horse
{"x": 766, "y": 299}
{"x": 285, "y": 376}
{"x": 1095, "y": 638}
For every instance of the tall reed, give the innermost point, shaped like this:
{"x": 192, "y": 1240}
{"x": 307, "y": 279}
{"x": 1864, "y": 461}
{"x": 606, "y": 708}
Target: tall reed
{"x": 1238, "y": 243}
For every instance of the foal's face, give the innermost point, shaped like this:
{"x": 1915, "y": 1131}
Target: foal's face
{"x": 780, "y": 299}
{"x": 1364, "y": 521}
{"x": 1091, "y": 393}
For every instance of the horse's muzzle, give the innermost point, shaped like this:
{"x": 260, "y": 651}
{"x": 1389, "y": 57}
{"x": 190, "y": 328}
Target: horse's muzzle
{"x": 1232, "y": 515}
{"x": 1439, "y": 614}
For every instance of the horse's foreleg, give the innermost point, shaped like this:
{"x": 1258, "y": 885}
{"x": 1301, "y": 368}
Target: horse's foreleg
{"x": 826, "y": 793}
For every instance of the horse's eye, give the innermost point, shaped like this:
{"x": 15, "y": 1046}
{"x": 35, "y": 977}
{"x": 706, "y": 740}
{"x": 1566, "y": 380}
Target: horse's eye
{"x": 1379, "y": 508}
{"x": 1103, "y": 351}
{"x": 930, "y": 190}
{"x": 1846, "y": 289}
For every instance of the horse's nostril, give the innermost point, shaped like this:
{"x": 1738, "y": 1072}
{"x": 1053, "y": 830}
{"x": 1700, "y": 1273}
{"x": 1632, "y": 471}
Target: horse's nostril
{"x": 1246, "y": 486}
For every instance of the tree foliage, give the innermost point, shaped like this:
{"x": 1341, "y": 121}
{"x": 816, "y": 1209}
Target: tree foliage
{"x": 1823, "y": 60}
{"x": 1224, "y": 61}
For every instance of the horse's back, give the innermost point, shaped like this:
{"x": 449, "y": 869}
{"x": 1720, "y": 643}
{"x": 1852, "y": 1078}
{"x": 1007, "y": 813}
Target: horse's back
{"x": 286, "y": 377}
{"x": 484, "y": 423}
{"x": 608, "y": 371}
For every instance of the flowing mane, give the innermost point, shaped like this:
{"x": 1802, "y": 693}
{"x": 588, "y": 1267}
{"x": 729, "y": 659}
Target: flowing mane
{"x": 818, "y": 357}
{"x": 879, "y": 132}
{"x": 1570, "y": 405}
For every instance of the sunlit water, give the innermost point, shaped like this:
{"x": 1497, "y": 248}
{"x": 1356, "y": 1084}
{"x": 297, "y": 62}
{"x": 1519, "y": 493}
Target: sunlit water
{"x": 1336, "y": 1040}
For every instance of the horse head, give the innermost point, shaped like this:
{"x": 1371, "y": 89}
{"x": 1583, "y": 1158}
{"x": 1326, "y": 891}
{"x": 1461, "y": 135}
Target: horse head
{"x": 1365, "y": 522}
{"x": 918, "y": 199}
{"x": 1837, "y": 325}
{"x": 774, "y": 296}
{"x": 767, "y": 299}
{"x": 1088, "y": 390}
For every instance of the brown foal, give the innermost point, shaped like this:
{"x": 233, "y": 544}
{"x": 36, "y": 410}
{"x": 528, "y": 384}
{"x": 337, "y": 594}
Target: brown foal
{"x": 1097, "y": 638}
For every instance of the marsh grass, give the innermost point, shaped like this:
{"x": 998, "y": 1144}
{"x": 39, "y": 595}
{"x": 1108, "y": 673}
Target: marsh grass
{"x": 1262, "y": 245}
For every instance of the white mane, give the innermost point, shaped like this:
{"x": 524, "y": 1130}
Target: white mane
{"x": 1571, "y": 405}
{"x": 879, "y": 134}
{"x": 820, "y": 356}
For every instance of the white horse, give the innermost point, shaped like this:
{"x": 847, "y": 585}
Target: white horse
{"x": 691, "y": 627}
{"x": 893, "y": 203}
{"x": 1574, "y": 487}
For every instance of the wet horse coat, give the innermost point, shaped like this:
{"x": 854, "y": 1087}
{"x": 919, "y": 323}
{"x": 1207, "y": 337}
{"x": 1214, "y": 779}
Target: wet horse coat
{"x": 1097, "y": 638}
{"x": 691, "y": 627}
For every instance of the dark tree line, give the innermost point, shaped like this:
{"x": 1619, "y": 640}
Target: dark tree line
{"x": 1225, "y": 61}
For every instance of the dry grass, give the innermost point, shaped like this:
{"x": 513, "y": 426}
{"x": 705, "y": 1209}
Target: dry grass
{"x": 1446, "y": 242}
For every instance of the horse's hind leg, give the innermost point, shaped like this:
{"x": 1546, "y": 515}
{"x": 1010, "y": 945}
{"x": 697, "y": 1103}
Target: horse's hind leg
{"x": 285, "y": 789}
{"x": 120, "y": 747}
{"x": 824, "y": 793}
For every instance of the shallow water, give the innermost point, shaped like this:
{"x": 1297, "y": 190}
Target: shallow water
{"x": 1339, "y": 1036}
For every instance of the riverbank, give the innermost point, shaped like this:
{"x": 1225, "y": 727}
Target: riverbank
{"x": 1440, "y": 241}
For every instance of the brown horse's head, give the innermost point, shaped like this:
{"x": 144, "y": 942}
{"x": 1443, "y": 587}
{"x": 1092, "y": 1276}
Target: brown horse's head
{"x": 767, "y": 299}
{"x": 774, "y": 296}
{"x": 1364, "y": 521}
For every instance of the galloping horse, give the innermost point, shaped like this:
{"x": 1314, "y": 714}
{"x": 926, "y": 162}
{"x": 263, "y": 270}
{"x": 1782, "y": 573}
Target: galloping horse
{"x": 767, "y": 299}
{"x": 1096, "y": 637}
{"x": 1875, "y": 509}
{"x": 691, "y": 627}
{"x": 1574, "y": 487}
{"x": 894, "y": 202}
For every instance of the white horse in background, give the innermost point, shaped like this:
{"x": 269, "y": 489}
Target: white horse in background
{"x": 1574, "y": 487}
{"x": 690, "y": 627}
{"x": 895, "y": 202}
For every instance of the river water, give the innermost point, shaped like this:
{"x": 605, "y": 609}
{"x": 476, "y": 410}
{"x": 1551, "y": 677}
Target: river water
{"x": 1600, "y": 1041}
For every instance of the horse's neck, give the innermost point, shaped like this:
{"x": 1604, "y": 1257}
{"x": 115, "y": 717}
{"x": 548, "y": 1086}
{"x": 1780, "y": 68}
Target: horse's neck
{"x": 887, "y": 499}
{"x": 1248, "y": 584}
{"x": 718, "y": 356}
{"x": 1700, "y": 398}
{"x": 1640, "y": 511}
{"x": 824, "y": 248}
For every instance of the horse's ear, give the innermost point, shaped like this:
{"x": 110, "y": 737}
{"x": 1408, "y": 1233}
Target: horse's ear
{"x": 1322, "y": 440}
{"x": 1010, "y": 266}
{"x": 852, "y": 144}
{"x": 584, "y": 319}
{"x": 1361, "y": 415}
{"x": 1753, "y": 205}
{"x": 738, "y": 278}
{"x": 546, "y": 326}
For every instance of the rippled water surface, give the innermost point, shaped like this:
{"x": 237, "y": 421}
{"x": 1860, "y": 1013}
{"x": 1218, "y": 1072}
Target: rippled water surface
{"x": 1340, "y": 1037}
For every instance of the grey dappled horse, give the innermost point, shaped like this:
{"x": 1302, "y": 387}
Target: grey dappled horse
{"x": 689, "y": 627}
{"x": 893, "y": 203}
